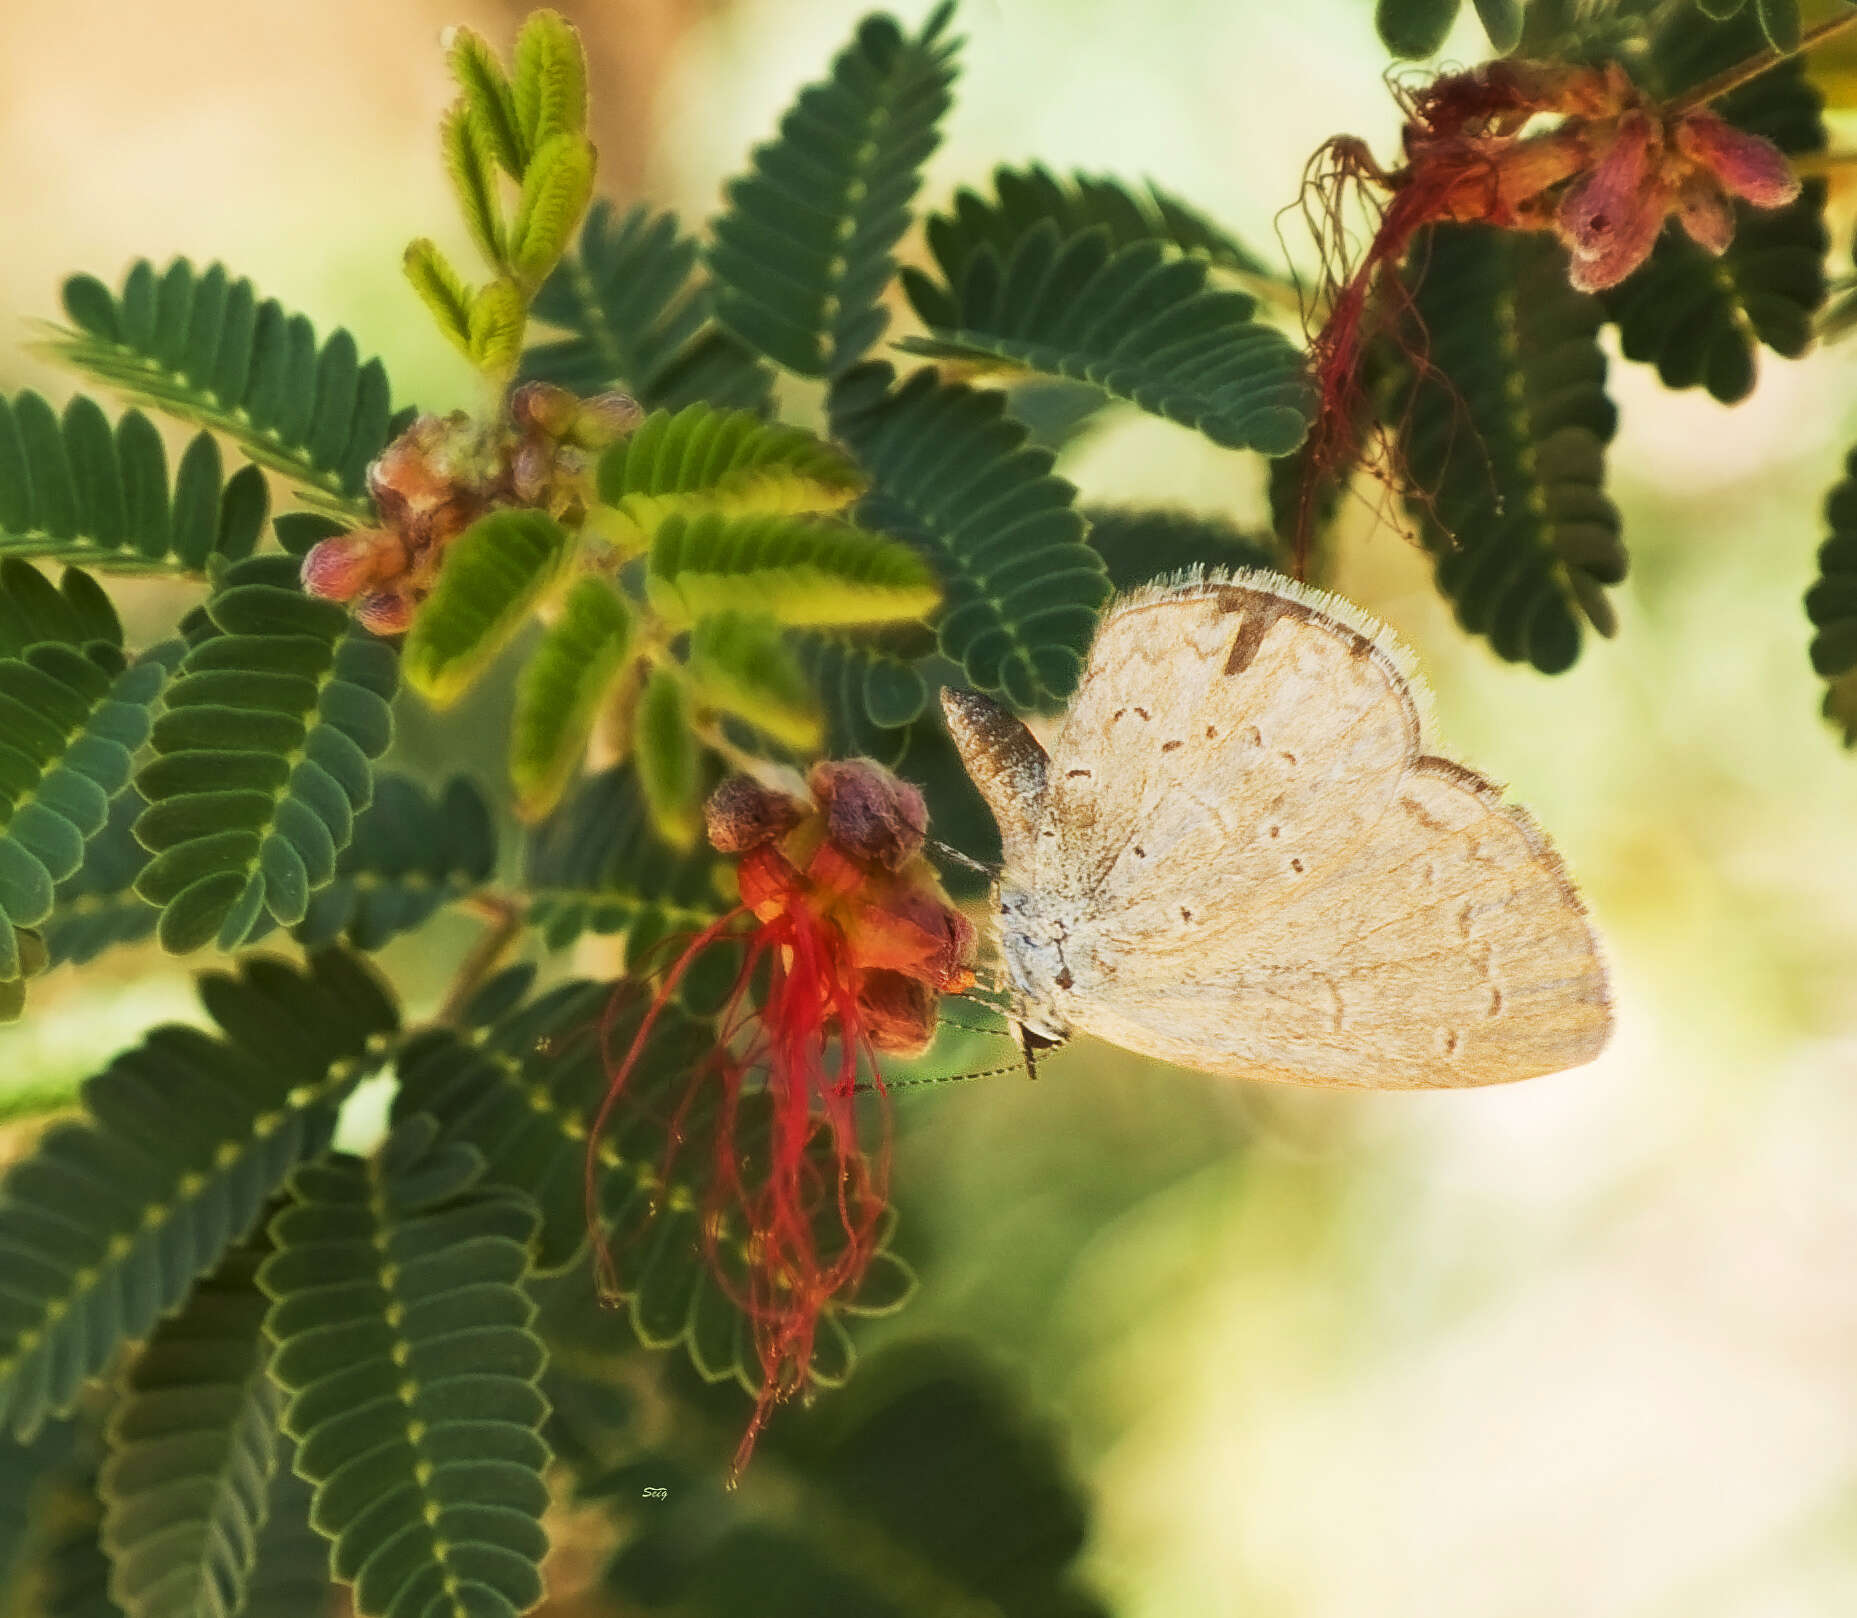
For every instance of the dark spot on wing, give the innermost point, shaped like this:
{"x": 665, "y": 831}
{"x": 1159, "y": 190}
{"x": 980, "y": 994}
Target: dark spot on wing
{"x": 1063, "y": 979}
{"x": 1212, "y": 733}
{"x": 1495, "y": 1001}
{"x": 1185, "y": 914}
{"x": 1296, "y": 866}
{"x": 1276, "y": 831}
{"x": 1144, "y": 713}
{"x": 1288, "y": 757}
{"x": 1140, "y": 852}
{"x": 1450, "y": 1041}
{"x": 1168, "y": 747}
{"x": 1257, "y": 614}
{"x": 1071, "y": 775}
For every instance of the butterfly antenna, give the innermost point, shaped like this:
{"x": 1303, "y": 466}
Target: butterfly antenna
{"x": 949, "y": 851}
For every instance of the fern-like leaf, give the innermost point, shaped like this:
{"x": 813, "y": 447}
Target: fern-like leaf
{"x": 802, "y": 257}
{"x": 72, "y": 717}
{"x": 263, "y": 758}
{"x": 1136, "y": 321}
{"x": 522, "y": 1093}
{"x": 1700, "y": 320}
{"x": 562, "y": 689}
{"x": 109, "y": 1220}
{"x": 1504, "y": 435}
{"x": 668, "y": 758}
{"x": 954, "y": 476}
{"x": 411, "y": 855}
{"x": 494, "y": 574}
{"x": 204, "y": 347}
{"x": 596, "y": 865}
{"x": 703, "y": 459}
{"x": 1831, "y": 604}
{"x": 870, "y": 685}
{"x": 801, "y": 571}
{"x": 192, "y": 1446}
{"x": 97, "y": 908}
{"x": 741, "y": 664}
{"x": 1139, "y": 546}
{"x": 72, "y": 490}
{"x": 402, "y": 1338}
{"x": 639, "y": 319}
{"x": 1024, "y": 198}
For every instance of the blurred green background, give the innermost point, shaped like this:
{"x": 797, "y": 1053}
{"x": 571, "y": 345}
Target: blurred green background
{"x": 1583, "y": 1346}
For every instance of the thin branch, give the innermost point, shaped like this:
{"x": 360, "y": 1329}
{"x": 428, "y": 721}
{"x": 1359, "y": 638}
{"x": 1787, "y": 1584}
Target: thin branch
{"x": 1733, "y": 78}
{"x": 505, "y": 913}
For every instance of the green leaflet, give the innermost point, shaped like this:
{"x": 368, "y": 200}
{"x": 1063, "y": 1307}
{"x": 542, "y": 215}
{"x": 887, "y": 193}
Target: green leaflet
{"x": 951, "y": 473}
{"x": 522, "y": 1093}
{"x": 1503, "y": 434}
{"x": 1700, "y": 320}
{"x": 262, "y": 759}
{"x": 920, "y": 1490}
{"x": 802, "y": 571}
{"x": 442, "y": 290}
{"x": 561, "y": 689}
{"x": 488, "y": 99}
{"x": 205, "y": 348}
{"x": 192, "y": 1447}
{"x": 96, "y": 908}
{"x": 1024, "y": 198}
{"x": 182, "y": 1139}
{"x": 637, "y": 318}
{"x": 411, "y": 855}
{"x": 555, "y": 191}
{"x": 402, "y": 1339}
{"x": 1831, "y": 604}
{"x": 703, "y": 459}
{"x": 598, "y": 865}
{"x": 1414, "y": 28}
{"x": 494, "y": 574}
{"x": 549, "y": 89}
{"x": 741, "y": 664}
{"x": 1136, "y": 321}
{"x": 870, "y": 685}
{"x": 1139, "y": 546}
{"x": 72, "y": 717}
{"x": 803, "y": 255}
{"x": 73, "y": 490}
{"x": 667, "y": 758}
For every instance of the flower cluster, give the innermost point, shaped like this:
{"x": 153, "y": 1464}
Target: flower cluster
{"x": 442, "y": 474}
{"x": 1604, "y": 179}
{"x": 851, "y": 944}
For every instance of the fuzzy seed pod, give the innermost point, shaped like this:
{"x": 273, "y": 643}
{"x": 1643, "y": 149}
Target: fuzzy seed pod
{"x": 742, "y": 814}
{"x": 1746, "y": 165}
{"x": 869, "y": 813}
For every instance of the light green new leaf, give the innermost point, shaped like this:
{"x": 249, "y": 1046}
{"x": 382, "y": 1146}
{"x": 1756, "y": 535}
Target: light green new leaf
{"x": 740, "y": 663}
{"x": 561, "y": 689}
{"x": 802, "y": 571}
{"x": 488, "y": 95}
{"x": 550, "y": 87}
{"x": 469, "y": 162}
{"x": 555, "y": 191}
{"x": 668, "y": 760}
{"x": 499, "y": 314}
{"x": 703, "y": 459}
{"x": 403, "y": 1340}
{"x": 441, "y": 290}
{"x": 494, "y": 574}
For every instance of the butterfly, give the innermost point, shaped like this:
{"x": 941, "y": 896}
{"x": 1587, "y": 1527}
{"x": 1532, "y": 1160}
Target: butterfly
{"x": 1238, "y": 857}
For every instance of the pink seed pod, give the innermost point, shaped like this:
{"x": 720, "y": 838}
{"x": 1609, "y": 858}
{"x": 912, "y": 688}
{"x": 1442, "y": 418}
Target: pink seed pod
{"x": 1747, "y": 165}
{"x": 340, "y": 567}
{"x": 1705, "y": 213}
{"x": 385, "y": 612}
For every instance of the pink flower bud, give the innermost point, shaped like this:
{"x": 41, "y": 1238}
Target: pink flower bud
{"x": 1608, "y": 203}
{"x": 340, "y": 567}
{"x": 605, "y": 418}
{"x": 1747, "y": 165}
{"x": 742, "y": 814}
{"x": 1705, "y": 213}
{"x": 545, "y": 408}
{"x": 1629, "y": 249}
{"x": 385, "y": 612}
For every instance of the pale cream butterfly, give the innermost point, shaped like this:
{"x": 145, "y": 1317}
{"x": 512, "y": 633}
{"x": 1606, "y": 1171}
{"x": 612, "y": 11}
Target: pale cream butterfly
{"x": 1239, "y": 858}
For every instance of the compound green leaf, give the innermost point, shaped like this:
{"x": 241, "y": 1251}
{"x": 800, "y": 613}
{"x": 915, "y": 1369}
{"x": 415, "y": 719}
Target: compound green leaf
{"x": 403, "y": 1340}
{"x": 638, "y": 317}
{"x": 1139, "y": 546}
{"x": 107, "y": 1222}
{"x": 549, "y": 86}
{"x": 562, "y": 689}
{"x": 205, "y": 348}
{"x": 740, "y": 663}
{"x": 668, "y": 759}
{"x": 952, "y": 474}
{"x": 803, "y": 255}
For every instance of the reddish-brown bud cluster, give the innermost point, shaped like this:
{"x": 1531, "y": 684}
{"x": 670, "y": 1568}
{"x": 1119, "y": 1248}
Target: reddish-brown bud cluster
{"x": 849, "y": 858}
{"x": 442, "y": 474}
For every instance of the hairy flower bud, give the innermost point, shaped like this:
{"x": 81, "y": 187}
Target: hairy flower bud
{"x": 385, "y": 612}
{"x": 1705, "y": 213}
{"x": 742, "y": 814}
{"x": 1747, "y": 165}
{"x": 340, "y": 567}
{"x": 899, "y": 1012}
{"x": 544, "y": 408}
{"x": 869, "y": 813}
{"x": 604, "y": 419}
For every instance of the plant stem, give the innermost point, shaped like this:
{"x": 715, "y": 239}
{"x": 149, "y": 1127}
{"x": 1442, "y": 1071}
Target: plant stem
{"x": 1713, "y": 89}
{"x": 504, "y": 912}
